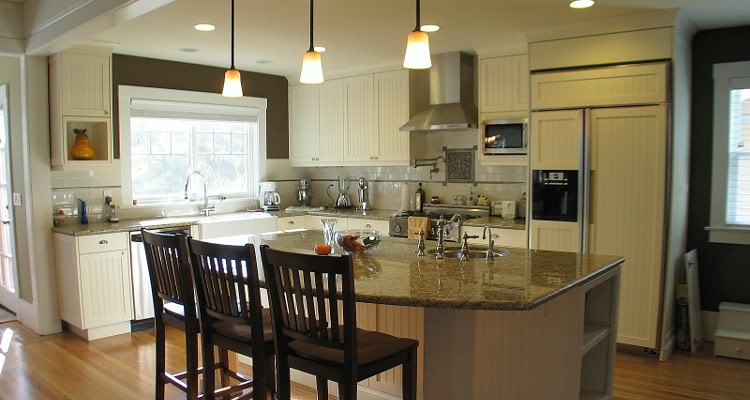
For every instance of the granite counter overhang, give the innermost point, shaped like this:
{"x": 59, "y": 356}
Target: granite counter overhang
{"x": 521, "y": 281}
{"x": 98, "y": 228}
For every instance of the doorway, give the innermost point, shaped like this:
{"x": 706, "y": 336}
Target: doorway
{"x": 8, "y": 277}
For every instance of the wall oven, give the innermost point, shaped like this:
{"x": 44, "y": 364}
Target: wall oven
{"x": 505, "y": 136}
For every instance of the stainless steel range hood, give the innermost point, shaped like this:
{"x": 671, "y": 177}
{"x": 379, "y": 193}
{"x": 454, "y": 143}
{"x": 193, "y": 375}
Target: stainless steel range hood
{"x": 453, "y": 103}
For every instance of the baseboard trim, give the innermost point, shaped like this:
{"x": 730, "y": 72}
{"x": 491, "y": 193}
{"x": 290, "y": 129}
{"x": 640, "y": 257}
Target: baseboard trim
{"x": 99, "y": 332}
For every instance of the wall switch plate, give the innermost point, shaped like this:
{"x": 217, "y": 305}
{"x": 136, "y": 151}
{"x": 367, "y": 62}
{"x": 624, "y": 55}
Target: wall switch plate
{"x": 17, "y": 200}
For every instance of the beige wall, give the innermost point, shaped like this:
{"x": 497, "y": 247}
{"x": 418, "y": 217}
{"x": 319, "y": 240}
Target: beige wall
{"x": 10, "y": 74}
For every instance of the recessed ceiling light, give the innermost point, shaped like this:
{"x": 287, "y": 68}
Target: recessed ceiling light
{"x": 264, "y": 62}
{"x": 581, "y": 3}
{"x": 429, "y": 28}
{"x": 205, "y": 27}
{"x": 188, "y": 50}
{"x": 320, "y": 49}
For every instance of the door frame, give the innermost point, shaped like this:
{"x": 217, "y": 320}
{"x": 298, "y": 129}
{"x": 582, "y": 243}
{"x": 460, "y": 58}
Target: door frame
{"x": 9, "y": 299}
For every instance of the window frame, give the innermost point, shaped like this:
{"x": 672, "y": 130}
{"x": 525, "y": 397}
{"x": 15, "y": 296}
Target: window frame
{"x": 727, "y": 77}
{"x": 127, "y": 93}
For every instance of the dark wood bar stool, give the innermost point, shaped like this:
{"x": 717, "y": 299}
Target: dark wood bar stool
{"x": 312, "y": 336}
{"x": 231, "y": 315}
{"x": 174, "y": 305}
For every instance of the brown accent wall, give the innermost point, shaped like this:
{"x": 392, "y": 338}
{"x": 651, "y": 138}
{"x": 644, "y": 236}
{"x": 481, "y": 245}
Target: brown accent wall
{"x": 724, "y": 271}
{"x": 150, "y": 72}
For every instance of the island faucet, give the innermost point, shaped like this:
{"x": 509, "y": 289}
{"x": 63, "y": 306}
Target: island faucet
{"x": 205, "y": 209}
{"x": 463, "y": 254}
{"x": 490, "y": 242}
{"x": 440, "y": 250}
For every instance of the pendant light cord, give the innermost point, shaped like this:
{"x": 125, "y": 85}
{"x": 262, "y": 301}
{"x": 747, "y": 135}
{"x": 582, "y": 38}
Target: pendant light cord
{"x": 419, "y": 25}
{"x": 312, "y": 48}
{"x": 232, "y": 29}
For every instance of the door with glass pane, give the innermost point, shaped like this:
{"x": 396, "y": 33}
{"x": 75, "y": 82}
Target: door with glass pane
{"x": 8, "y": 295}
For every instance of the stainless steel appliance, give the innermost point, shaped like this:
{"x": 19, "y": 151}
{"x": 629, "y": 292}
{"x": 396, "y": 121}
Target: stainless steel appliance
{"x": 343, "y": 200}
{"x": 506, "y": 136}
{"x": 555, "y": 195}
{"x": 399, "y": 224}
{"x": 304, "y": 192}
{"x": 270, "y": 197}
{"x": 143, "y": 303}
{"x": 364, "y": 195}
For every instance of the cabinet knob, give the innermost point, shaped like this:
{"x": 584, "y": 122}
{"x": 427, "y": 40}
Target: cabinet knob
{"x": 106, "y": 112}
{"x": 368, "y": 226}
{"x": 103, "y": 241}
{"x": 738, "y": 350}
{"x": 291, "y": 222}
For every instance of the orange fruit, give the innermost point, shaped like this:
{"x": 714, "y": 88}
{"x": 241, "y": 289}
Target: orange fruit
{"x": 323, "y": 249}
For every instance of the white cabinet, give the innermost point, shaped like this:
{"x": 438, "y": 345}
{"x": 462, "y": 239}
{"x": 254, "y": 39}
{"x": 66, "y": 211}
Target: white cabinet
{"x": 378, "y": 225}
{"x": 556, "y": 141}
{"x": 94, "y": 283}
{"x": 360, "y": 142}
{"x": 333, "y": 121}
{"x": 305, "y": 137}
{"x": 554, "y": 236}
{"x": 392, "y": 94}
{"x": 80, "y": 86}
{"x": 313, "y": 222}
{"x": 504, "y": 84}
{"x": 291, "y": 223}
{"x": 86, "y": 85}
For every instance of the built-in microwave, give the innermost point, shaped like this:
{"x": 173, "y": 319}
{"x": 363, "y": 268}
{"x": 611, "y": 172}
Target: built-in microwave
{"x": 505, "y": 136}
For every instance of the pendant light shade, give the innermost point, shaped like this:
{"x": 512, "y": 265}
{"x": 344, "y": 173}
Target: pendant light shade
{"x": 312, "y": 68}
{"x": 232, "y": 78}
{"x": 418, "y": 47}
{"x": 312, "y": 65}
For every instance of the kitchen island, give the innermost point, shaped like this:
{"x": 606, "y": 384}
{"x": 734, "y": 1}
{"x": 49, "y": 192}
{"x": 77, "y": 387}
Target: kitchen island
{"x": 528, "y": 325}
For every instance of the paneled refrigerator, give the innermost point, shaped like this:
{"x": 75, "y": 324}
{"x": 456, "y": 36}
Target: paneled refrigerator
{"x": 600, "y": 185}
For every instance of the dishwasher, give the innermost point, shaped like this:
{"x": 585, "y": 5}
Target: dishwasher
{"x": 143, "y": 302}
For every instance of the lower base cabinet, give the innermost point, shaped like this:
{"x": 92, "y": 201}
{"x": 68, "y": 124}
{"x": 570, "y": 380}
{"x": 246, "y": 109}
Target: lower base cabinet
{"x": 95, "y": 286}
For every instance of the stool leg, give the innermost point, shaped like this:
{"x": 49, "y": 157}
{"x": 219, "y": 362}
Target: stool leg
{"x": 209, "y": 370}
{"x": 284, "y": 390}
{"x": 409, "y": 377}
{"x": 191, "y": 342}
{"x": 160, "y": 359}
{"x": 269, "y": 371}
{"x": 322, "y": 385}
{"x": 224, "y": 358}
{"x": 348, "y": 389}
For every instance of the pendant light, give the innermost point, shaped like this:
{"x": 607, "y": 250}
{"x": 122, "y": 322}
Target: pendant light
{"x": 418, "y": 47}
{"x": 312, "y": 67}
{"x": 232, "y": 78}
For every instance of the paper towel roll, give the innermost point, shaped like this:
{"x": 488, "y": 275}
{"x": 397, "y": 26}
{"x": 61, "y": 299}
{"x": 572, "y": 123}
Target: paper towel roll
{"x": 405, "y": 197}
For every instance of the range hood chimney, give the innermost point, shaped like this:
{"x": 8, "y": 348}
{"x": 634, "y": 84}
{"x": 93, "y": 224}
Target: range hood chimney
{"x": 453, "y": 103}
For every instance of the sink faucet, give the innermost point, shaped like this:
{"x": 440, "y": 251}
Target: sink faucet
{"x": 440, "y": 250}
{"x": 490, "y": 242}
{"x": 463, "y": 254}
{"x": 205, "y": 209}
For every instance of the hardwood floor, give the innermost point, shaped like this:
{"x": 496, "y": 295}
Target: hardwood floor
{"x": 66, "y": 367}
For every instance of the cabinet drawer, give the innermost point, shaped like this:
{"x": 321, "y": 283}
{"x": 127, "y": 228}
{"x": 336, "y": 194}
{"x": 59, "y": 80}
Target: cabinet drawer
{"x": 100, "y": 243}
{"x": 289, "y": 223}
{"x": 733, "y": 347}
{"x": 506, "y": 237}
{"x": 377, "y": 225}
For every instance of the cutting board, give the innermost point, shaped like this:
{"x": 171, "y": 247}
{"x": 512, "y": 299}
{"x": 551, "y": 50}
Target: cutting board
{"x": 416, "y": 224}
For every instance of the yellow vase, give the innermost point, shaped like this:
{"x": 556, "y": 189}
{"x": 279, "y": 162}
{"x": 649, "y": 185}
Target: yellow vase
{"x": 82, "y": 149}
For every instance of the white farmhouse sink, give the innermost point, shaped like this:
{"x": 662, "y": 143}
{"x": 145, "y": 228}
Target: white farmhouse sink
{"x": 242, "y": 223}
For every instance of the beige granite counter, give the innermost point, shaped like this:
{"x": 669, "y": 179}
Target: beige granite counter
{"x": 381, "y": 215}
{"x": 393, "y": 275}
{"x": 97, "y": 228}
{"x": 498, "y": 222}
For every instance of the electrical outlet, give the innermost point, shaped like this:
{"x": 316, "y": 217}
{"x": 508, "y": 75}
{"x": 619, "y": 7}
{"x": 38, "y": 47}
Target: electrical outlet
{"x": 17, "y": 200}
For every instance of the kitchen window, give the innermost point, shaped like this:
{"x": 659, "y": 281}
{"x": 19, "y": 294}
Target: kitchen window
{"x": 165, "y": 134}
{"x": 730, "y": 203}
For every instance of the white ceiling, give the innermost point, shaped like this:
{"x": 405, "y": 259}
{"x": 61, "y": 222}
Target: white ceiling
{"x": 365, "y": 33}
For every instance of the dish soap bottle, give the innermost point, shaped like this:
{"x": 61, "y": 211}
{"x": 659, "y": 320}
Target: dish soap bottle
{"x": 419, "y": 199}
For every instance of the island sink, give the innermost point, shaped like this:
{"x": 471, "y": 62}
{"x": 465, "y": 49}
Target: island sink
{"x": 474, "y": 254}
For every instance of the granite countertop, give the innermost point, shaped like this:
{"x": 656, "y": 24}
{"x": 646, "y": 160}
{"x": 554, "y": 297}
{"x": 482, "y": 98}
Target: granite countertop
{"x": 97, "y": 228}
{"x": 381, "y": 215}
{"x": 392, "y": 274}
{"x": 498, "y": 222}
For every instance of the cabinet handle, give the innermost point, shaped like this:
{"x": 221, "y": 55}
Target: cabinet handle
{"x": 103, "y": 241}
{"x": 368, "y": 226}
{"x": 106, "y": 112}
{"x": 291, "y": 222}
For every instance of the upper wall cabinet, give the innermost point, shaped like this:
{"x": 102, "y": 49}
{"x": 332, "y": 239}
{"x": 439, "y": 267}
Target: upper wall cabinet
{"x": 80, "y": 82}
{"x": 504, "y": 84}
{"x": 355, "y": 121}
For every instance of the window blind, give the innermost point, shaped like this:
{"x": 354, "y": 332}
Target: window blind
{"x": 738, "y": 188}
{"x": 193, "y": 111}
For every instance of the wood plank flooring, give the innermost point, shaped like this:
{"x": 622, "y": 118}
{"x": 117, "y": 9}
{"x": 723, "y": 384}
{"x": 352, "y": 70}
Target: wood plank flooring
{"x": 66, "y": 367}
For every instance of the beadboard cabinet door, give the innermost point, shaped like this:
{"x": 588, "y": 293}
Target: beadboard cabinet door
{"x": 392, "y": 94}
{"x": 332, "y": 121}
{"x": 106, "y": 288}
{"x": 495, "y": 75}
{"x": 86, "y": 85}
{"x": 520, "y": 83}
{"x": 361, "y": 142}
{"x": 556, "y": 139}
{"x": 305, "y": 124}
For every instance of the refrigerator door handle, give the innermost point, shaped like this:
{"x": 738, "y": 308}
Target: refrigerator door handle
{"x": 587, "y": 176}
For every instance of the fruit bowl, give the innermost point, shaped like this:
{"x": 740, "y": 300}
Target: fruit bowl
{"x": 358, "y": 241}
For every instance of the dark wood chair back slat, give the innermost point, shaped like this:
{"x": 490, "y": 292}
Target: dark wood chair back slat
{"x": 168, "y": 270}
{"x": 227, "y": 283}
{"x": 304, "y": 301}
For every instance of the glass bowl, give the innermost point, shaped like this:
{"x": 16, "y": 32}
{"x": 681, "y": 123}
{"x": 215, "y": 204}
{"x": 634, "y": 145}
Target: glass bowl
{"x": 358, "y": 241}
